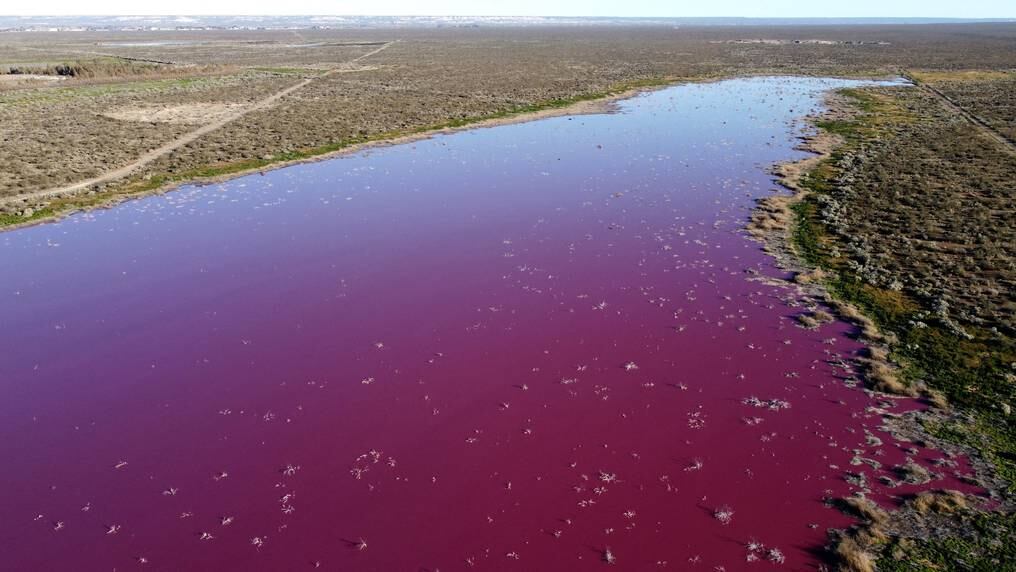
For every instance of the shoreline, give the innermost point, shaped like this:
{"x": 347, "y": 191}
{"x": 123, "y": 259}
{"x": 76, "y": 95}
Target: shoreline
{"x": 592, "y": 106}
{"x": 772, "y": 223}
{"x": 807, "y": 464}
{"x": 596, "y": 106}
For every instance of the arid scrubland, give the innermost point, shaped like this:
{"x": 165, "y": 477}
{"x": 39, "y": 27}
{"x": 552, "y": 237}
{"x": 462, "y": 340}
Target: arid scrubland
{"x": 59, "y": 132}
{"x": 990, "y": 95}
{"x": 909, "y": 224}
{"x": 948, "y": 245}
{"x": 911, "y": 221}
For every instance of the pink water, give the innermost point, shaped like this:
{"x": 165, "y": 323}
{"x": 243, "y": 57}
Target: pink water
{"x": 503, "y": 349}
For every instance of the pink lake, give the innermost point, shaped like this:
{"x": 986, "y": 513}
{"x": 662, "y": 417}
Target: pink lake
{"x": 510, "y": 348}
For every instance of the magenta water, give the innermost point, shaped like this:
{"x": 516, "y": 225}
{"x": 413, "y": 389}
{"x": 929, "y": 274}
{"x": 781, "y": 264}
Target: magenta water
{"x": 532, "y": 347}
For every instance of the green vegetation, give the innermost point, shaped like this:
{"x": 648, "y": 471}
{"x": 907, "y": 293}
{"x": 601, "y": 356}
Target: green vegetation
{"x": 973, "y": 372}
{"x": 972, "y": 368}
{"x": 557, "y": 103}
{"x": 985, "y": 433}
{"x": 989, "y": 545}
{"x": 211, "y": 171}
{"x": 154, "y": 182}
{"x": 13, "y": 219}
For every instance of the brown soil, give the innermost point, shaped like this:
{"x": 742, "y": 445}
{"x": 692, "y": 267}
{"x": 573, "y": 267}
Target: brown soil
{"x": 431, "y": 77}
{"x": 183, "y": 114}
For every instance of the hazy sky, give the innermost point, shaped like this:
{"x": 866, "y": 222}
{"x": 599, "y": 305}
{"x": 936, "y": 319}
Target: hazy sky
{"x": 750, "y": 8}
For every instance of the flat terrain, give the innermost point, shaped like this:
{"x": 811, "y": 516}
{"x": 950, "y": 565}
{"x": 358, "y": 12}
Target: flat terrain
{"x": 98, "y": 117}
{"x": 535, "y": 323}
{"x": 911, "y": 221}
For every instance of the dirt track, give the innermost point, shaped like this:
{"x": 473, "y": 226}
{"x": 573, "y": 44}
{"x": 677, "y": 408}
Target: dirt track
{"x": 181, "y": 141}
{"x": 956, "y": 108}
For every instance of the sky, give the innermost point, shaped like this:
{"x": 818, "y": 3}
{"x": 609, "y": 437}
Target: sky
{"x": 631, "y": 8}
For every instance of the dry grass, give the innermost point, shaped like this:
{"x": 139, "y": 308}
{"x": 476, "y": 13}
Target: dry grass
{"x": 852, "y": 557}
{"x": 913, "y": 473}
{"x": 925, "y": 213}
{"x": 960, "y": 75}
{"x": 772, "y": 215}
{"x": 187, "y": 113}
{"x": 90, "y": 68}
{"x": 936, "y": 399}
{"x": 852, "y": 548}
{"x": 87, "y": 140}
{"x": 811, "y": 276}
{"x": 870, "y": 333}
{"x": 991, "y": 96}
{"x": 943, "y": 502}
{"x": 431, "y": 77}
{"x": 815, "y": 319}
{"x": 864, "y": 509}
{"x": 882, "y": 376}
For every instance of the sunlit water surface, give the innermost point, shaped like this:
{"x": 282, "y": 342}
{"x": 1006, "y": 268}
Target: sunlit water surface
{"x": 508, "y": 348}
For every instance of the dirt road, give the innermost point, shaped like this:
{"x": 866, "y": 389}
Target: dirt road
{"x": 181, "y": 141}
{"x": 956, "y": 108}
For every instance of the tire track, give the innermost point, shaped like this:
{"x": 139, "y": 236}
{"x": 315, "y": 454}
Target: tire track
{"x": 181, "y": 141}
{"x": 985, "y": 128}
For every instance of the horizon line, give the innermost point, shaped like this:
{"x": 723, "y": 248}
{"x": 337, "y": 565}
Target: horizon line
{"x": 311, "y": 15}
